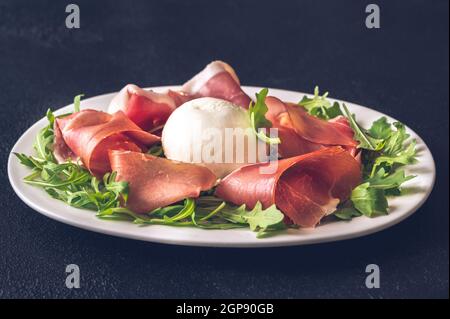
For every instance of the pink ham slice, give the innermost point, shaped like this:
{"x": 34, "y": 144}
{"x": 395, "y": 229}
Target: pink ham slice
{"x": 301, "y": 133}
{"x": 90, "y": 134}
{"x": 157, "y": 182}
{"x": 344, "y": 126}
{"x": 150, "y": 110}
{"x": 147, "y": 109}
{"x": 305, "y": 188}
{"x": 218, "y": 80}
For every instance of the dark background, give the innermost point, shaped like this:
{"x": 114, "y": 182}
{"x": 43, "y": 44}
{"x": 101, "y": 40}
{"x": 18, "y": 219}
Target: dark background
{"x": 401, "y": 69}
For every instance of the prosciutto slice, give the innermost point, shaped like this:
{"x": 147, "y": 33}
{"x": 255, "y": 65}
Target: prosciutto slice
{"x": 305, "y": 188}
{"x": 157, "y": 182}
{"x": 301, "y": 133}
{"x": 218, "y": 80}
{"x": 147, "y": 109}
{"x": 150, "y": 110}
{"x": 89, "y": 135}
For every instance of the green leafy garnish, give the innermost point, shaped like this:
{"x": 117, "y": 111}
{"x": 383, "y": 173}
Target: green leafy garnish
{"x": 403, "y": 157}
{"x": 369, "y": 201}
{"x": 347, "y": 213}
{"x": 77, "y": 102}
{"x": 214, "y": 211}
{"x": 365, "y": 140}
{"x": 259, "y": 219}
{"x": 381, "y": 129}
{"x": 44, "y": 139}
{"x": 74, "y": 185}
{"x": 320, "y": 106}
{"x": 395, "y": 141}
{"x": 257, "y": 112}
{"x": 382, "y": 180}
{"x": 156, "y": 150}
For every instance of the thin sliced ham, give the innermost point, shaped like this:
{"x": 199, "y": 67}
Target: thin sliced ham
{"x": 150, "y": 110}
{"x": 90, "y": 134}
{"x": 344, "y": 126}
{"x": 157, "y": 182}
{"x": 301, "y": 133}
{"x": 147, "y": 109}
{"x": 305, "y": 188}
{"x": 218, "y": 80}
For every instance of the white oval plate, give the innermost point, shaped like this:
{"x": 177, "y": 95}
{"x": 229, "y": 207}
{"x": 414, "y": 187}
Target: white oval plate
{"x": 400, "y": 207}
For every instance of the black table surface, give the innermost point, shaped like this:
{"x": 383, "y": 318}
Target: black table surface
{"x": 401, "y": 69}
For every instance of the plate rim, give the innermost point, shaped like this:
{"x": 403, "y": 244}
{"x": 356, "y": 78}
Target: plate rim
{"x": 260, "y": 243}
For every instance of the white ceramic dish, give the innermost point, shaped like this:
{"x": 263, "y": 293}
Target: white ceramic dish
{"x": 400, "y": 207}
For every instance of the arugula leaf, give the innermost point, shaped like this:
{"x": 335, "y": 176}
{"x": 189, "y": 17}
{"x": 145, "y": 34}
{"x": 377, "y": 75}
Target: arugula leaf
{"x": 216, "y": 225}
{"x": 381, "y": 129}
{"x": 369, "y": 198}
{"x": 50, "y": 117}
{"x": 26, "y": 160}
{"x": 214, "y": 212}
{"x": 258, "y": 219}
{"x": 44, "y": 139}
{"x": 257, "y": 112}
{"x": 394, "y": 139}
{"x": 170, "y": 211}
{"x": 382, "y": 180}
{"x": 156, "y": 150}
{"x": 394, "y": 142}
{"x": 333, "y": 111}
{"x": 404, "y": 157}
{"x": 123, "y": 213}
{"x": 369, "y": 201}
{"x": 261, "y": 219}
{"x": 347, "y": 213}
{"x": 271, "y": 230}
{"x": 259, "y": 109}
{"x": 76, "y": 103}
{"x": 365, "y": 140}
{"x": 320, "y": 107}
{"x": 187, "y": 211}
{"x": 118, "y": 214}
{"x": 117, "y": 188}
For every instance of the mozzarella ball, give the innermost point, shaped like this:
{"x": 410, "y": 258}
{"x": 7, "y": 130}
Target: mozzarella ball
{"x": 214, "y": 133}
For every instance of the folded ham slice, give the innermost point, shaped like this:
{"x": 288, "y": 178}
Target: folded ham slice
{"x": 301, "y": 133}
{"x": 344, "y": 126}
{"x": 89, "y": 135}
{"x": 147, "y": 109}
{"x": 305, "y": 188}
{"x": 157, "y": 182}
{"x": 218, "y": 80}
{"x": 150, "y": 110}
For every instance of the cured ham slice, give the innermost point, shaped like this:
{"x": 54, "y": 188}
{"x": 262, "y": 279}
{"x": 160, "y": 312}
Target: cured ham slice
{"x": 157, "y": 182}
{"x": 305, "y": 188}
{"x": 61, "y": 151}
{"x": 301, "y": 133}
{"x": 218, "y": 80}
{"x": 347, "y": 130}
{"x": 147, "y": 109}
{"x": 89, "y": 135}
{"x": 150, "y": 110}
